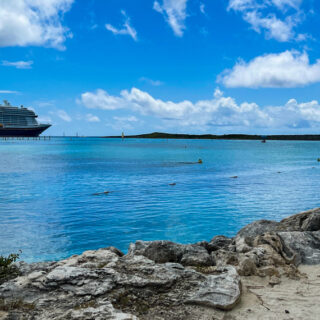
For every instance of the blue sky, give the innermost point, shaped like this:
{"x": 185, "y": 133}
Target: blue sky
{"x": 100, "y": 67}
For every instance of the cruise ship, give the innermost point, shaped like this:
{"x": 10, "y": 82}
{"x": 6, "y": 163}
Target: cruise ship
{"x": 19, "y": 122}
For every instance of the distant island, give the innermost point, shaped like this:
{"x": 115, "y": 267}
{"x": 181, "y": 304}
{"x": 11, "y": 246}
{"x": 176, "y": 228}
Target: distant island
{"x": 163, "y": 135}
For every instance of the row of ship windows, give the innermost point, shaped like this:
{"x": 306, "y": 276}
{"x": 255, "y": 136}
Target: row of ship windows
{"x": 18, "y": 113}
{"x": 7, "y": 120}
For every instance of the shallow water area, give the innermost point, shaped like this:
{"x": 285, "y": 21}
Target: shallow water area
{"x": 62, "y": 196}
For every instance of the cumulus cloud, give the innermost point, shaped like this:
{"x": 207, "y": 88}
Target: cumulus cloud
{"x": 174, "y": 12}
{"x": 127, "y": 29}
{"x": 284, "y": 70}
{"x": 33, "y": 22}
{"x": 220, "y": 111}
{"x": 64, "y": 116}
{"x": 264, "y": 16}
{"x": 92, "y": 118}
{"x": 18, "y": 64}
{"x": 100, "y": 99}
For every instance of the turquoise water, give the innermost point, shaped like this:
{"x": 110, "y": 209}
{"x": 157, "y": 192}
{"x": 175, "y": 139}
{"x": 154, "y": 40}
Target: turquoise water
{"x": 48, "y": 208}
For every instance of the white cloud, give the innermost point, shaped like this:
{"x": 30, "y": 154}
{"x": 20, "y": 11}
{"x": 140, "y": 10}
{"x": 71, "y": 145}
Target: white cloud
{"x": 9, "y": 92}
{"x": 126, "y": 119}
{"x": 154, "y": 83}
{"x": 262, "y": 15}
{"x": 126, "y": 30}
{"x": 275, "y": 28}
{"x": 44, "y": 119}
{"x": 284, "y": 70}
{"x": 64, "y": 116}
{"x": 220, "y": 111}
{"x": 174, "y": 12}
{"x": 33, "y": 22}
{"x": 202, "y": 8}
{"x": 100, "y": 99}
{"x": 92, "y": 118}
{"x": 18, "y": 64}
{"x": 283, "y": 4}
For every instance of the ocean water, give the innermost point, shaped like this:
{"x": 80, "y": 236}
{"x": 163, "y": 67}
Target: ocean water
{"x": 49, "y": 207}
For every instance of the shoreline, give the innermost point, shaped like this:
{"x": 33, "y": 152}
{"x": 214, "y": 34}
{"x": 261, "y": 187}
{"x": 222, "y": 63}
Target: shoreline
{"x": 269, "y": 269}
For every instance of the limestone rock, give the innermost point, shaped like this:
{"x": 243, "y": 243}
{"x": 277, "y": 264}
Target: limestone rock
{"x": 219, "y": 242}
{"x": 167, "y": 251}
{"x": 247, "y": 267}
{"x": 306, "y": 244}
{"x": 222, "y": 291}
{"x": 101, "y": 311}
{"x": 304, "y": 221}
{"x": 257, "y": 228}
{"x": 158, "y": 251}
{"x": 194, "y": 255}
{"x": 160, "y": 279}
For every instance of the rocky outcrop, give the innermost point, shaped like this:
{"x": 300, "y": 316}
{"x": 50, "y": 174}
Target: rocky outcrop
{"x": 221, "y": 290}
{"x": 103, "y": 284}
{"x": 162, "y": 279}
{"x": 167, "y": 251}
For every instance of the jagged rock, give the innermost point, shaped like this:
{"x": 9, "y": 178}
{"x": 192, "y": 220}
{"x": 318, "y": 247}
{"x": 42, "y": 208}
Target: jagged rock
{"x": 257, "y": 228}
{"x": 304, "y": 221}
{"x": 219, "y": 242}
{"x": 74, "y": 288}
{"x": 222, "y": 290}
{"x": 243, "y": 244}
{"x": 247, "y": 267}
{"x": 167, "y": 251}
{"x": 305, "y": 244}
{"x": 161, "y": 275}
{"x": 223, "y": 257}
{"x": 273, "y": 241}
{"x": 98, "y": 311}
{"x": 194, "y": 255}
{"x": 158, "y": 251}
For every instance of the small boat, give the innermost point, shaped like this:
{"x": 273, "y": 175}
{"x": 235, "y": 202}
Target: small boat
{"x": 264, "y": 141}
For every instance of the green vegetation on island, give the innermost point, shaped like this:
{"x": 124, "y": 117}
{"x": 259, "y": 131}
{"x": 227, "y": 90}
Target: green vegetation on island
{"x": 162, "y": 135}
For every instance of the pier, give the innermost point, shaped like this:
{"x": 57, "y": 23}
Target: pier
{"x": 27, "y": 138}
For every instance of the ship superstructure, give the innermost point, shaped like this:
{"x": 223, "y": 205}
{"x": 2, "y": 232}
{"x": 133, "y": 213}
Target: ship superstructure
{"x": 19, "y": 122}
